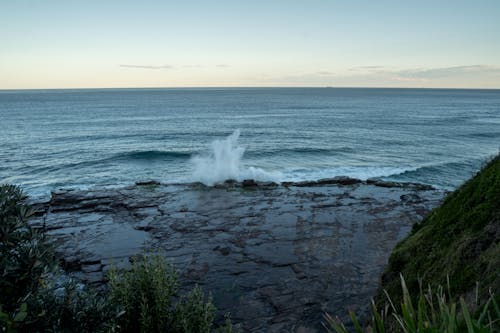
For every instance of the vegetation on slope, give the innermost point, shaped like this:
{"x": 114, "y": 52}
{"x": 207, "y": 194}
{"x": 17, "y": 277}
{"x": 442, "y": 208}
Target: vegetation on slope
{"x": 433, "y": 312}
{"x": 456, "y": 245}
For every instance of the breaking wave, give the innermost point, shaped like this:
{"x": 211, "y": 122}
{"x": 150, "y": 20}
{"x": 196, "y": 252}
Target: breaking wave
{"x": 224, "y": 161}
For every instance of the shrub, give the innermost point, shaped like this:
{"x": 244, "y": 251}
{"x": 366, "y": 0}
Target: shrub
{"x": 147, "y": 293}
{"x": 193, "y": 314}
{"x": 72, "y": 307}
{"x": 25, "y": 258}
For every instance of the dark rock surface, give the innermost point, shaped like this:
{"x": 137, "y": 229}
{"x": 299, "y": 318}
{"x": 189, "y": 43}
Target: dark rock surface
{"x": 276, "y": 256}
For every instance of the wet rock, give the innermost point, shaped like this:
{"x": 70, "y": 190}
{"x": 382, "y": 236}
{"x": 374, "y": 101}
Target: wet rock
{"x": 408, "y": 185}
{"x": 70, "y": 263}
{"x": 223, "y": 250}
{"x": 383, "y": 183}
{"x": 147, "y": 183}
{"x": 91, "y": 268}
{"x": 268, "y": 184}
{"x": 248, "y": 183}
{"x": 411, "y": 198}
{"x": 276, "y": 257}
{"x": 94, "y": 277}
{"x": 340, "y": 180}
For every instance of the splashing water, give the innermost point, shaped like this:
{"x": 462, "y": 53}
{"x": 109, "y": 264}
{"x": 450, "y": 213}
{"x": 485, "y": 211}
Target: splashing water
{"x": 223, "y": 162}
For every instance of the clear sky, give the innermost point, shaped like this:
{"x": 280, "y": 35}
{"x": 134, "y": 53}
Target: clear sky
{"x": 105, "y": 43}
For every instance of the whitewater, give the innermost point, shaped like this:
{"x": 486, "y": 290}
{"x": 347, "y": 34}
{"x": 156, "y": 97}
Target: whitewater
{"x": 224, "y": 161}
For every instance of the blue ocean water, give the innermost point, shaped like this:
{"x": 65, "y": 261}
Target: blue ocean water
{"x": 110, "y": 137}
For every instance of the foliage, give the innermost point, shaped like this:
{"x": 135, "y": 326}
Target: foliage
{"x": 193, "y": 314}
{"x": 25, "y": 258}
{"x": 228, "y": 326}
{"x": 433, "y": 312}
{"x": 72, "y": 308}
{"x": 459, "y": 240}
{"x": 147, "y": 296}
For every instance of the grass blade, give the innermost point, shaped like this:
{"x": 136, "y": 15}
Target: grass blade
{"x": 355, "y": 321}
{"x": 468, "y": 320}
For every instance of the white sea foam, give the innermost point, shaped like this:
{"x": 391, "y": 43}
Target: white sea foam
{"x": 224, "y": 161}
{"x": 359, "y": 172}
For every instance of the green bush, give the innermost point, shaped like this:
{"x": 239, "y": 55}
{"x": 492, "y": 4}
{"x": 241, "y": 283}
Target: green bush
{"x": 25, "y": 258}
{"x": 72, "y": 307}
{"x": 193, "y": 314}
{"x": 434, "y": 312}
{"x": 147, "y": 295}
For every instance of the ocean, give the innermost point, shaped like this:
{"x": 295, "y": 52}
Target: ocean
{"x": 85, "y": 138}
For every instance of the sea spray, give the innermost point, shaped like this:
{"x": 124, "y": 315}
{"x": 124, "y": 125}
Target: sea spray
{"x": 224, "y": 161}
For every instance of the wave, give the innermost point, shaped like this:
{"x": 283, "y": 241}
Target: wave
{"x": 150, "y": 155}
{"x": 446, "y": 175}
{"x": 300, "y": 151}
{"x": 123, "y": 157}
{"x": 358, "y": 172}
{"x": 223, "y": 161}
{"x": 487, "y": 135}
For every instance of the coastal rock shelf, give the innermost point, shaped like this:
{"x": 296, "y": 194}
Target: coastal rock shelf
{"x": 276, "y": 256}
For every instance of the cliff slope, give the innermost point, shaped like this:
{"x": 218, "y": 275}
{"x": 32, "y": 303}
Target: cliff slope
{"x": 459, "y": 239}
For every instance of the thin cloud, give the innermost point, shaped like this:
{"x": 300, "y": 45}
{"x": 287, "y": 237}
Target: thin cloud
{"x": 440, "y": 72}
{"x": 324, "y": 73}
{"x": 147, "y": 66}
{"x": 367, "y": 68}
{"x": 170, "y": 66}
{"x": 454, "y": 76}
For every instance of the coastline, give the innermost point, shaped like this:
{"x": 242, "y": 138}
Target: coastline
{"x": 276, "y": 255}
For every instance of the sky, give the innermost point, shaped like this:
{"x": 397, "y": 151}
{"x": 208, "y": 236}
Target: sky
{"x": 236, "y": 43}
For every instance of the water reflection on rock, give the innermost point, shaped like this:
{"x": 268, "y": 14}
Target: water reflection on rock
{"x": 275, "y": 256}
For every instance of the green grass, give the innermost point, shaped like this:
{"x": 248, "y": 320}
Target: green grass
{"x": 433, "y": 311}
{"x": 457, "y": 241}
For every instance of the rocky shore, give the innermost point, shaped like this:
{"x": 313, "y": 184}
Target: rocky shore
{"x": 277, "y": 256}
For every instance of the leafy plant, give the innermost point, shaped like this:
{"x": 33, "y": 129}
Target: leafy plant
{"x": 228, "y": 326}
{"x": 193, "y": 314}
{"x": 25, "y": 258}
{"x": 72, "y": 308}
{"x": 434, "y": 312}
{"x": 147, "y": 295}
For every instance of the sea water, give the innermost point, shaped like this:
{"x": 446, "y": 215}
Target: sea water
{"x": 112, "y": 137}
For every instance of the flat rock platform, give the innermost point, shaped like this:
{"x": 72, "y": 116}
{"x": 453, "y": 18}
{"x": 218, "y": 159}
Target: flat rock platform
{"x": 277, "y": 256}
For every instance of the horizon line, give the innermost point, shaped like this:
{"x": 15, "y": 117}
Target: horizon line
{"x": 246, "y": 87}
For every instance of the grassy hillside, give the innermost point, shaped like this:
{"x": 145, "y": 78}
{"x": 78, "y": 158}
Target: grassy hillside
{"x": 459, "y": 239}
